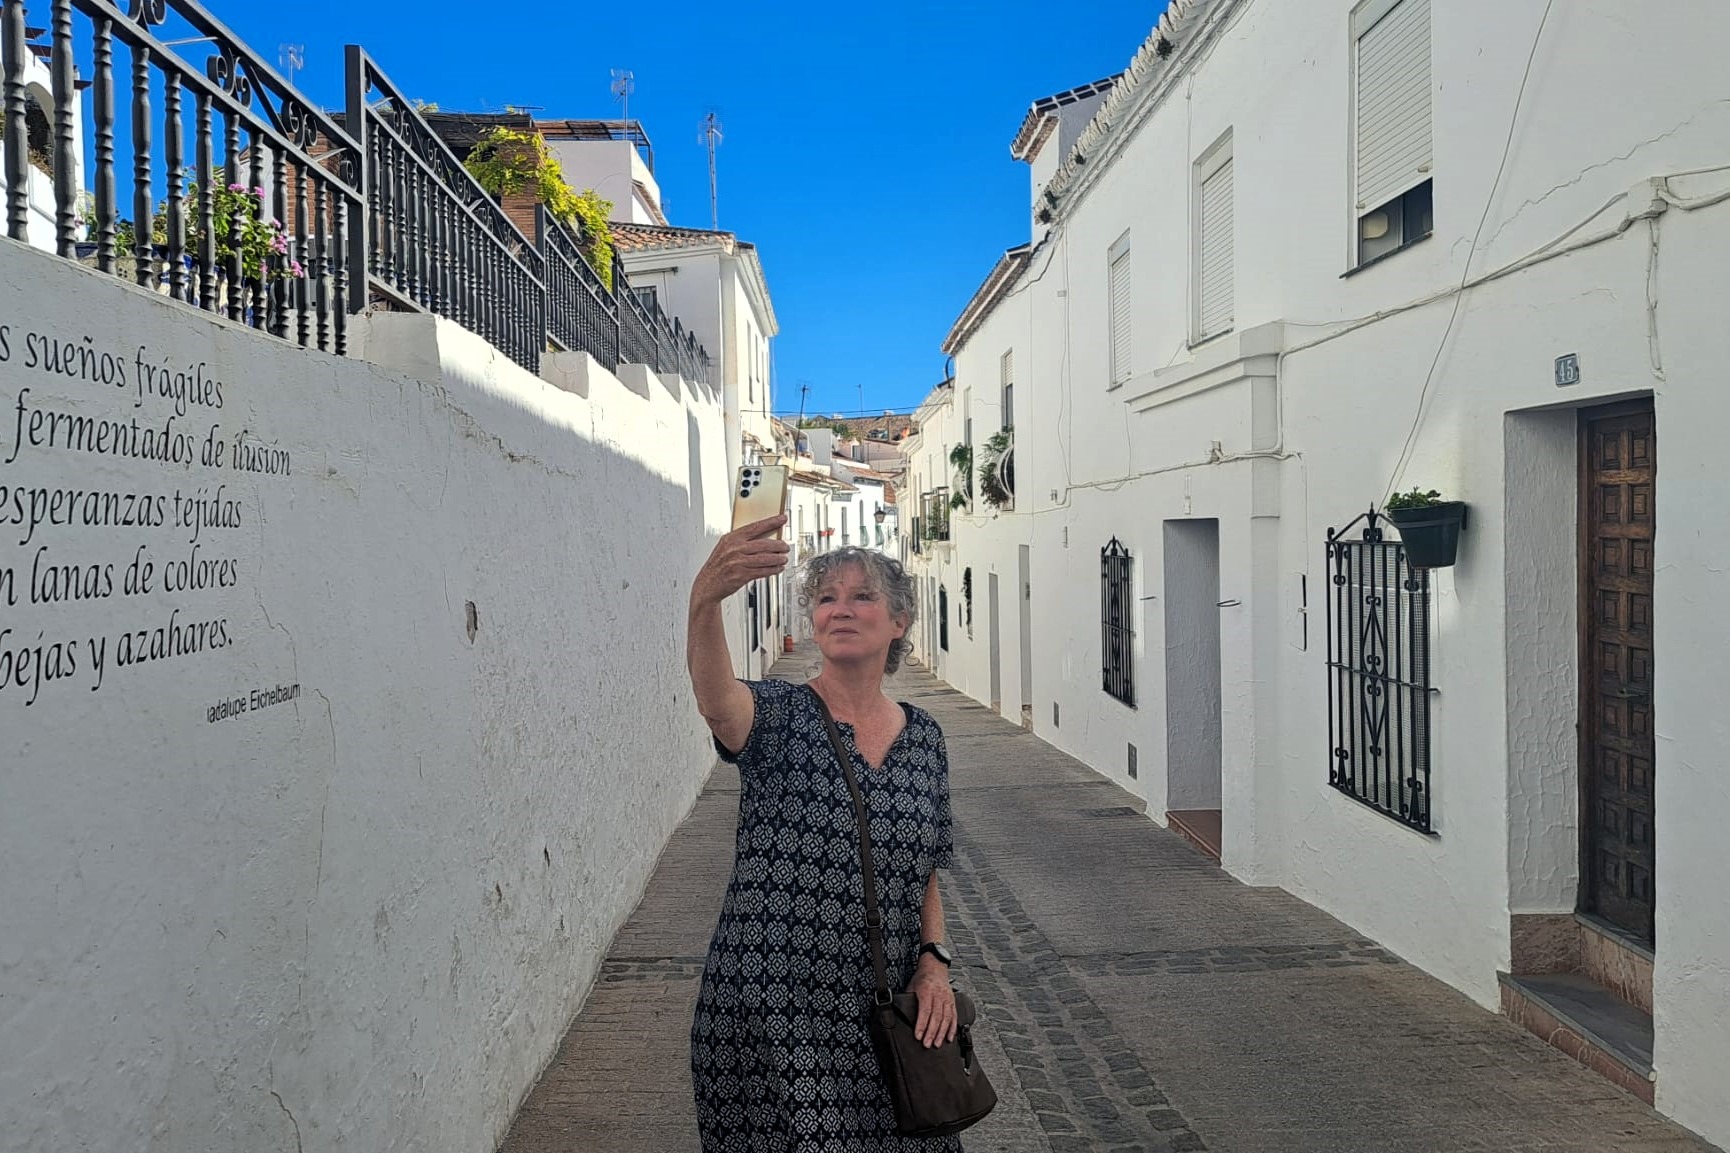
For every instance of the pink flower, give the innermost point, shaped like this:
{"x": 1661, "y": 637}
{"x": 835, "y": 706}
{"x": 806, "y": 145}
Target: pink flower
{"x": 237, "y": 188}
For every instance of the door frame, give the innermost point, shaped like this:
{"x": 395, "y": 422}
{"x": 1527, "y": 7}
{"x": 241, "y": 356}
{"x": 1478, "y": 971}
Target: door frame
{"x": 1583, "y": 609}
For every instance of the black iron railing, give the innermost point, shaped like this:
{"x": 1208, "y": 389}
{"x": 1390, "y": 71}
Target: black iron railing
{"x": 581, "y": 312}
{"x": 435, "y": 240}
{"x": 636, "y": 327}
{"x": 231, "y": 146}
{"x": 221, "y": 186}
{"x": 1379, "y": 674}
{"x": 1116, "y": 624}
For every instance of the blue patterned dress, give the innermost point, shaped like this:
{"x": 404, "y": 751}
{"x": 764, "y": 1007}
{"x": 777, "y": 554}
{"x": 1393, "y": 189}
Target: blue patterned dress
{"x": 780, "y": 1058}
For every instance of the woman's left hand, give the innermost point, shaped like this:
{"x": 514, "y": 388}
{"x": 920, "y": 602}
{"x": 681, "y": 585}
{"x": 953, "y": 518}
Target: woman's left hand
{"x": 930, "y": 985}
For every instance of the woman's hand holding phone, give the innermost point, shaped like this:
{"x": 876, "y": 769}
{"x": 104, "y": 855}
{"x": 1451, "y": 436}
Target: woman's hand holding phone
{"x": 750, "y": 552}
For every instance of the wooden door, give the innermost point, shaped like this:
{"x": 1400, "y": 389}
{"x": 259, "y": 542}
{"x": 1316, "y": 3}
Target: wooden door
{"x": 1619, "y": 461}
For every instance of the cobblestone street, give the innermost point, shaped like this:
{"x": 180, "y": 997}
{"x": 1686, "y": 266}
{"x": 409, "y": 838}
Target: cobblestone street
{"x": 1135, "y": 997}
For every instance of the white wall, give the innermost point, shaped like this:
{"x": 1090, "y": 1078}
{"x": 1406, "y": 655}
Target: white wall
{"x": 361, "y": 918}
{"x": 612, "y": 168}
{"x": 1296, "y": 422}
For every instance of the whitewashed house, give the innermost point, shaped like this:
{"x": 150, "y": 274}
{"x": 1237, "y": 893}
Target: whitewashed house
{"x": 1304, "y": 256}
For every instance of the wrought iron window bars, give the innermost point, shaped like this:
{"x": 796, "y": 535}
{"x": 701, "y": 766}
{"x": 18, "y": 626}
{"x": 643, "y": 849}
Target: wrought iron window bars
{"x": 1117, "y": 632}
{"x": 1379, "y": 691}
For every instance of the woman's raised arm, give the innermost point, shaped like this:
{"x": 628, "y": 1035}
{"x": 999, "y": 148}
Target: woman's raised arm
{"x": 740, "y": 557}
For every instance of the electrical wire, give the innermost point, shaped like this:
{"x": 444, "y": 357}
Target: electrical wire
{"x": 1466, "y": 274}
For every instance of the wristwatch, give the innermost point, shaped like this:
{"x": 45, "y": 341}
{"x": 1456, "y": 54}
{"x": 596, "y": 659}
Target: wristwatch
{"x": 940, "y": 951}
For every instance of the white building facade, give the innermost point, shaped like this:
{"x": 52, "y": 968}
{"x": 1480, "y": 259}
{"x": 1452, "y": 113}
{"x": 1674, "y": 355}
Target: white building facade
{"x": 1305, "y": 256}
{"x": 713, "y": 284}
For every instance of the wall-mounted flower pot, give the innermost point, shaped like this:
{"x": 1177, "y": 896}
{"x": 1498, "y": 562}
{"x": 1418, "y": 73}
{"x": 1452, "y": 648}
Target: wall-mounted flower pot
{"x": 1430, "y": 534}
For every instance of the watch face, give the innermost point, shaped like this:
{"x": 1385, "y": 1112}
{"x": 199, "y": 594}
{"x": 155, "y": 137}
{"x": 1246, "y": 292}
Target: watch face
{"x": 937, "y": 949}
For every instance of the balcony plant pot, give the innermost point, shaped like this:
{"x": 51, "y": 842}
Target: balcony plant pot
{"x": 1430, "y": 533}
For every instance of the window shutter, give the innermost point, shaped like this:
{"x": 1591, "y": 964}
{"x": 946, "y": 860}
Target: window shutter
{"x": 1216, "y": 288}
{"x": 1393, "y": 104}
{"x": 1120, "y": 343}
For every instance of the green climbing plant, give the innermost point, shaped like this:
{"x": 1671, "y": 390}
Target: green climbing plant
{"x": 507, "y": 161}
{"x": 961, "y": 456}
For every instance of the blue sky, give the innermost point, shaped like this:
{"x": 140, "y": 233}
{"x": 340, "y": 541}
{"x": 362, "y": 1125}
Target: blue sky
{"x": 866, "y": 147}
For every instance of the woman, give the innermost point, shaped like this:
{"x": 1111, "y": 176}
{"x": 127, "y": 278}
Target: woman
{"x": 780, "y": 1057}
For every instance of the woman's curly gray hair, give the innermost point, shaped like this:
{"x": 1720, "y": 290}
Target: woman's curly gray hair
{"x": 882, "y": 573}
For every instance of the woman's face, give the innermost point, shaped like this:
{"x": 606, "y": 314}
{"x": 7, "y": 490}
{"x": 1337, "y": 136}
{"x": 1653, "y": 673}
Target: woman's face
{"x": 851, "y": 619}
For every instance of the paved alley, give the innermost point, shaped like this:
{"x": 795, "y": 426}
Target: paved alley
{"x": 1136, "y": 997}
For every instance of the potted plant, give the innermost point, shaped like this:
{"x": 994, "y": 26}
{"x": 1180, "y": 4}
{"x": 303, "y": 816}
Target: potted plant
{"x": 1429, "y": 526}
{"x": 997, "y": 471}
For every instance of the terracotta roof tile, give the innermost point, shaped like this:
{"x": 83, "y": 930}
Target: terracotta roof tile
{"x": 638, "y": 237}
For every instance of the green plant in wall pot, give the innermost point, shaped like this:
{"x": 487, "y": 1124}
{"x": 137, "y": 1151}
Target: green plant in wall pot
{"x": 1429, "y": 526}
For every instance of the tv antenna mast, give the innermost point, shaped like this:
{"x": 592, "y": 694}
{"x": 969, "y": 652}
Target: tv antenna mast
{"x": 292, "y": 58}
{"x": 624, "y": 83}
{"x": 711, "y": 138}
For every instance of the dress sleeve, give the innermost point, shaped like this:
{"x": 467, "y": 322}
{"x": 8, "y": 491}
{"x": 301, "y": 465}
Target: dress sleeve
{"x": 768, "y": 724}
{"x": 944, "y": 856}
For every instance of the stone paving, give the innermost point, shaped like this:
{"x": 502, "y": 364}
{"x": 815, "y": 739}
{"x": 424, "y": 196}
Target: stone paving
{"x": 1135, "y": 997}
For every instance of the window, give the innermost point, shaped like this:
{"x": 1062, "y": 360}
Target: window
{"x": 1379, "y": 676}
{"x": 943, "y": 617}
{"x": 1118, "y": 288}
{"x": 967, "y": 600}
{"x": 1214, "y": 284}
{"x": 1117, "y": 639}
{"x": 1006, "y": 380}
{"x": 1391, "y": 110}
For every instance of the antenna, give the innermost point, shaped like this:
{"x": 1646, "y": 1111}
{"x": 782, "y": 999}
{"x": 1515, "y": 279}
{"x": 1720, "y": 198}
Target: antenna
{"x": 624, "y": 83}
{"x": 711, "y": 138}
{"x": 804, "y": 389}
{"x": 292, "y": 57}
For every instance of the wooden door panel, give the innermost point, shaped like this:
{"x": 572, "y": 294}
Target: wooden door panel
{"x": 1619, "y": 474}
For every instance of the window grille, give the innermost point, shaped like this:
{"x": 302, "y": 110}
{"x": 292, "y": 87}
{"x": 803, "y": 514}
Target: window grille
{"x": 1379, "y": 642}
{"x": 967, "y": 600}
{"x": 1117, "y": 595}
{"x": 1006, "y": 377}
{"x": 943, "y": 617}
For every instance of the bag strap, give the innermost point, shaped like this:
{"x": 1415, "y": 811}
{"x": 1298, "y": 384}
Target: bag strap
{"x": 873, "y": 914}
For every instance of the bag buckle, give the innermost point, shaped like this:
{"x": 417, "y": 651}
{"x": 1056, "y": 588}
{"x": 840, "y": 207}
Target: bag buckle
{"x": 874, "y": 919}
{"x": 882, "y": 998}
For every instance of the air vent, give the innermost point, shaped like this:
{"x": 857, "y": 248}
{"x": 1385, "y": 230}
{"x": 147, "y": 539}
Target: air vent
{"x": 1054, "y": 723}
{"x": 1132, "y": 762}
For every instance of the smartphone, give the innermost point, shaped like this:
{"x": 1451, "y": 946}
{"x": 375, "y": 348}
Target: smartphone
{"x": 760, "y": 494}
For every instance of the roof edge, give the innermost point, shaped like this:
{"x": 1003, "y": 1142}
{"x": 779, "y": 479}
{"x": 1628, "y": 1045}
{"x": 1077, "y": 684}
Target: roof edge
{"x": 988, "y": 296}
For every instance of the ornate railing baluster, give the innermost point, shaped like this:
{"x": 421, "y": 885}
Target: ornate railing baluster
{"x": 65, "y": 138}
{"x": 258, "y": 293}
{"x": 302, "y": 247}
{"x": 279, "y": 287}
{"x": 17, "y": 134}
{"x": 339, "y": 276}
{"x": 321, "y": 259}
{"x": 102, "y": 103}
{"x": 143, "y": 222}
{"x": 174, "y": 161}
{"x": 204, "y": 148}
{"x": 235, "y": 268}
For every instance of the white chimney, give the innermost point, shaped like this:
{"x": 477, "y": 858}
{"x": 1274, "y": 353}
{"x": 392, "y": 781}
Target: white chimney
{"x": 822, "y": 442}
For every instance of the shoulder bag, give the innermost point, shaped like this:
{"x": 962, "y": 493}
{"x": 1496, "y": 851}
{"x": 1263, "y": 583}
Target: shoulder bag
{"x": 935, "y": 1091}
